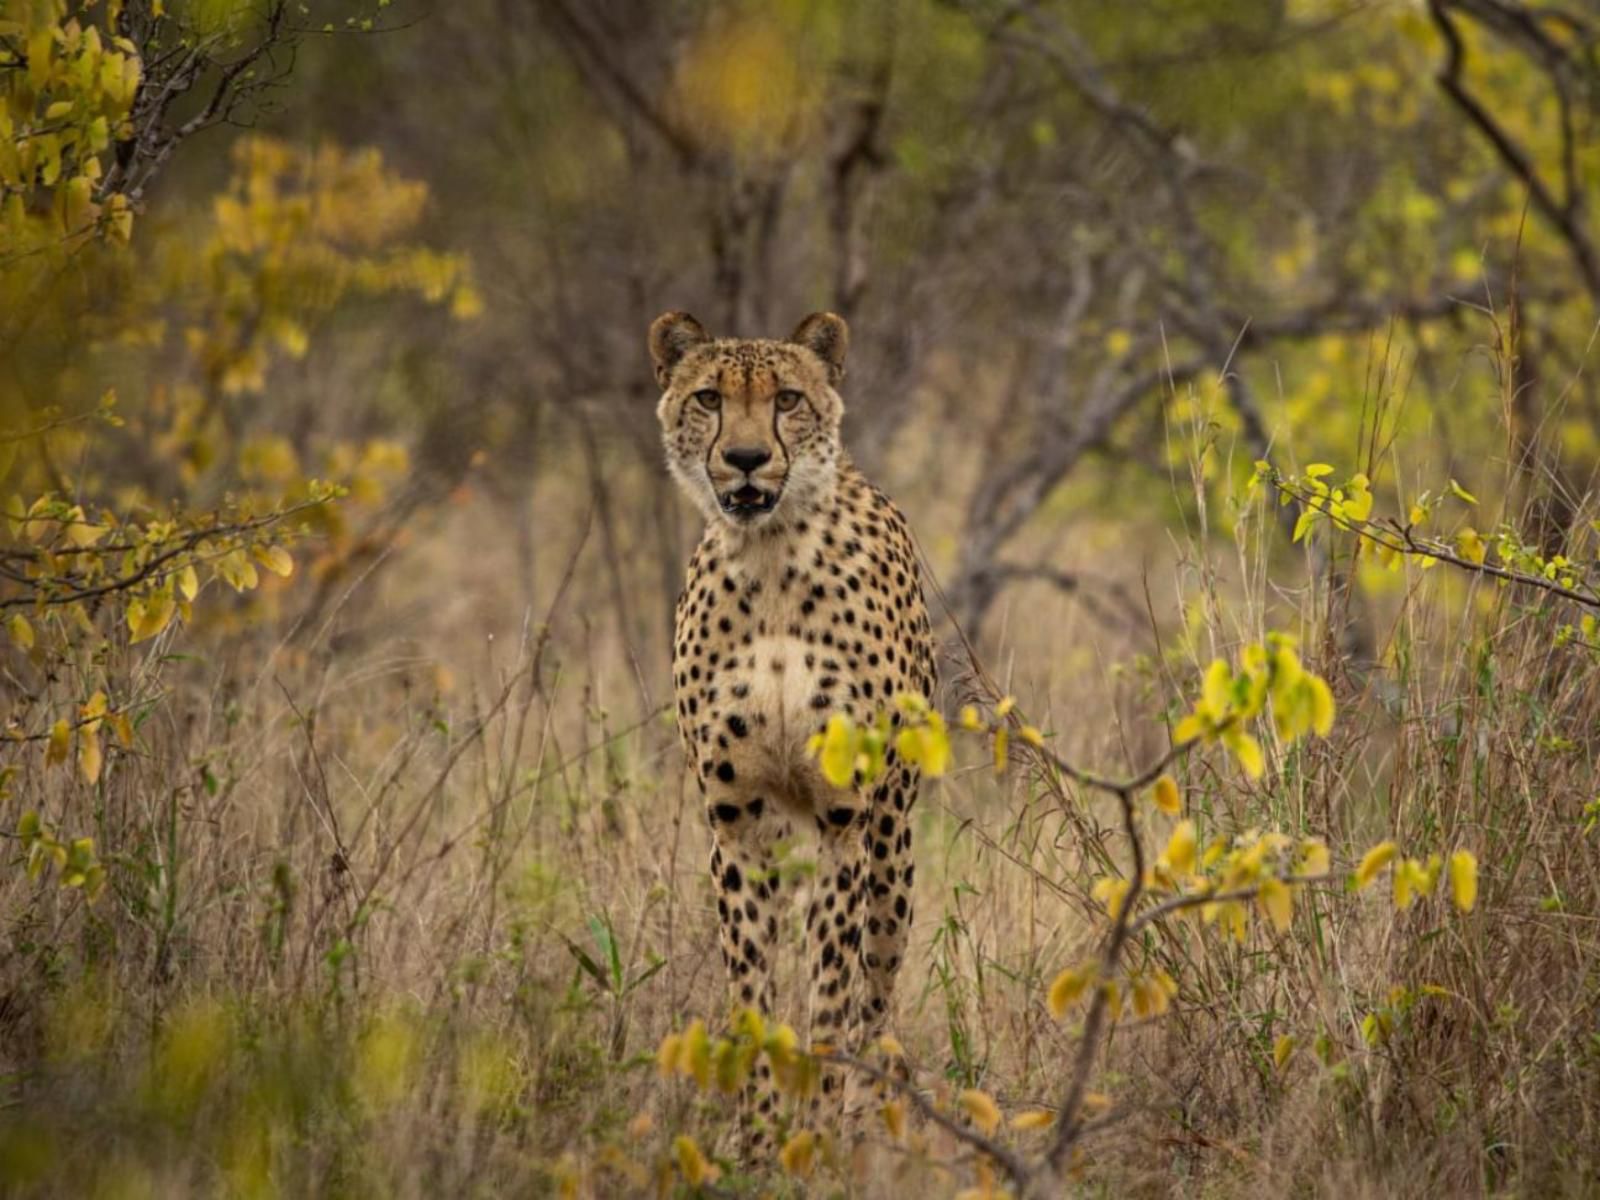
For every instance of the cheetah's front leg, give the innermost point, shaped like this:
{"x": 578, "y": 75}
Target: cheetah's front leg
{"x": 886, "y": 895}
{"x": 833, "y": 936}
{"x": 744, "y": 874}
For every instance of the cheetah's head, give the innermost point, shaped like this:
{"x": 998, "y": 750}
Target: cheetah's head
{"x": 751, "y": 426}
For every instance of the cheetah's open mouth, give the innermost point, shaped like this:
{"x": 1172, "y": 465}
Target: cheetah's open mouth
{"x": 748, "y": 501}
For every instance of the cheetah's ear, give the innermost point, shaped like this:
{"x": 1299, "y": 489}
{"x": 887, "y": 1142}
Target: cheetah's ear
{"x": 672, "y": 335}
{"x": 827, "y": 336}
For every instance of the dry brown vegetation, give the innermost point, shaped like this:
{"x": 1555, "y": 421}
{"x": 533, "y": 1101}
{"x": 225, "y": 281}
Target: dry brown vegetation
{"x": 400, "y": 882}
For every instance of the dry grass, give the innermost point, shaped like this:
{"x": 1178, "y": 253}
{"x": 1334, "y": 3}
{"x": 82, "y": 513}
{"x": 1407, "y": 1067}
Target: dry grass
{"x": 356, "y": 867}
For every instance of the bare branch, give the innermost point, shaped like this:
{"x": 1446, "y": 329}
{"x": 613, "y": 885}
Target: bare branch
{"x": 1008, "y": 1160}
{"x": 593, "y": 58}
{"x": 1565, "y": 218}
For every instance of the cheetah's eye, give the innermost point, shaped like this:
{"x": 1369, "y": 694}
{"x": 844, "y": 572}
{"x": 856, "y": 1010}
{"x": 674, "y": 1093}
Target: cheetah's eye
{"x": 710, "y": 399}
{"x": 788, "y": 400}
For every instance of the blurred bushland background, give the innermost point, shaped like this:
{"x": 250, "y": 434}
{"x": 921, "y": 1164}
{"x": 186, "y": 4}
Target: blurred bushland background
{"x": 346, "y": 848}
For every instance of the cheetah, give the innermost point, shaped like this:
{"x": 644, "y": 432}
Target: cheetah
{"x": 802, "y": 600}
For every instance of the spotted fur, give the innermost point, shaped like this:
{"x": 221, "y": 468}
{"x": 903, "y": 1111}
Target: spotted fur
{"x": 802, "y": 600}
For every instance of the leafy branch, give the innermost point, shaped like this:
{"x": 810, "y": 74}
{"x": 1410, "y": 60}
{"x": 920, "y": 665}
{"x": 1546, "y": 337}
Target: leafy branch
{"x": 1349, "y": 508}
{"x": 1218, "y": 881}
{"x": 158, "y": 551}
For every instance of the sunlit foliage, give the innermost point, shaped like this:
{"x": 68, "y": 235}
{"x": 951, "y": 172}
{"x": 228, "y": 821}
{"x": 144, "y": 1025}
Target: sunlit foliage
{"x": 1234, "y": 365}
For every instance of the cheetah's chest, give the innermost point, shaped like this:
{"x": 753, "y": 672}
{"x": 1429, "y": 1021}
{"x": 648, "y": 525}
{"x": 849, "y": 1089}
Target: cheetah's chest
{"x": 760, "y": 666}
{"x": 758, "y": 698}
{"x": 775, "y": 636}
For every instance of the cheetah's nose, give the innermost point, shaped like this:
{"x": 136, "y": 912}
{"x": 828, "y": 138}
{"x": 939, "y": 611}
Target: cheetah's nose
{"x": 746, "y": 458}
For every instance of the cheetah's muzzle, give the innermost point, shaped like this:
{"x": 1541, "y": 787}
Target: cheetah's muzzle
{"x": 748, "y": 501}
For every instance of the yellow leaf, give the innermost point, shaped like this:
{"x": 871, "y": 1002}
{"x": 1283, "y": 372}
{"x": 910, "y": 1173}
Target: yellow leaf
{"x": 1461, "y": 493}
{"x": 466, "y": 303}
{"x": 1248, "y": 751}
{"x": 970, "y": 719}
{"x": 569, "y": 1178}
{"x": 695, "y": 1060}
{"x": 1374, "y": 861}
{"x": 83, "y": 535}
{"x": 149, "y": 615}
{"x": 1277, "y": 901}
{"x": 90, "y": 758}
{"x": 1180, "y": 849}
{"x": 275, "y": 559}
{"x": 1165, "y": 982}
{"x": 1110, "y": 892}
{"x": 838, "y": 760}
{"x": 1318, "y": 470}
{"x": 1191, "y": 727}
{"x": 935, "y": 747}
{"x": 891, "y": 1046}
{"x": 894, "y": 1118}
{"x": 1375, "y": 1027}
{"x": 1150, "y": 999}
{"x": 1281, "y": 1050}
{"x": 41, "y": 46}
{"x": 21, "y": 632}
{"x": 1233, "y": 916}
{"x": 1464, "y": 879}
{"x": 796, "y": 1155}
{"x": 751, "y": 1025}
{"x": 60, "y": 741}
{"x": 1034, "y": 1118}
{"x": 1067, "y": 988}
{"x": 1214, "y": 692}
{"x": 1409, "y": 878}
{"x": 1003, "y": 709}
{"x": 120, "y": 219}
{"x": 980, "y": 1106}
{"x": 1359, "y": 504}
{"x": 1032, "y": 736}
{"x": 1471, "y": 546}
{"x": 1001, "y": 743}
{"x": 668, "y": 1053}
{"x": 1321, "y": 705}
{"x": 908, "y": 745}
{"x": 189, "y": 582}
{"x": 237, "y": 570}
{"x": 696, "y": 1170}
{"x": 1313, "y": 858}
{"x": 94, "y": 707}
{"x": 1430, "y": 874}
{"x": 912, "y": 704}
{"x": 123, "y": 728}
{"x": 1166, "y": 796}
{"x": 1113, "y": 996}
{"x": 1096, "y": 1102}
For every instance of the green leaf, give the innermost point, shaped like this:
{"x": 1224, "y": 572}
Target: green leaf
{"x": 590, "y": 967}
